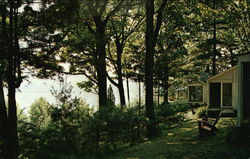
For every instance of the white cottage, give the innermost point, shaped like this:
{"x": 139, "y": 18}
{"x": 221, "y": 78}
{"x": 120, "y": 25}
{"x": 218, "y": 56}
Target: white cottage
{"x": 229, "y": 90}
{"x": 223, "y": 89}
{"x": 243, "y": 87}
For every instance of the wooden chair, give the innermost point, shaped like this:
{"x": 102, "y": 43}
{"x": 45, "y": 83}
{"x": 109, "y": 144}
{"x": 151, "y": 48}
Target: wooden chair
{"x": 207, "y": 125}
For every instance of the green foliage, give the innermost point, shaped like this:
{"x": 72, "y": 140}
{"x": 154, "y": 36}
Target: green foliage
{"x": 116, "y": 127}
{"x": 88, "y": 86}
{"x": 69, "y": 128}
{"x": 110, "y": 96}
{"x": 171, "y": 113}
{"x": 39, "y": 113}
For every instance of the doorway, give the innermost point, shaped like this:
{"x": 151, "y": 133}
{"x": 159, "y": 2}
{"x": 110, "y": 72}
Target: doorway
{"x": 215, "y": 95}
{"x": 246, "y": 90}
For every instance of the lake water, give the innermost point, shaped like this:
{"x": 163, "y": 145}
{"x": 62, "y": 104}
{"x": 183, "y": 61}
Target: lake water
{"x": 36, "y": 88}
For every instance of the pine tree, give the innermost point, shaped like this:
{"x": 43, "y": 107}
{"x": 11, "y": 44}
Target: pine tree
{"x": 110, "y": 96}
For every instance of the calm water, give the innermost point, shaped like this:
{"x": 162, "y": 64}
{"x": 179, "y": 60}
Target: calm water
{"x": 35, "y": 88}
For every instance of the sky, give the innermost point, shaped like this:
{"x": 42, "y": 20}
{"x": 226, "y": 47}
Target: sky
{"x": 36, "y": 88}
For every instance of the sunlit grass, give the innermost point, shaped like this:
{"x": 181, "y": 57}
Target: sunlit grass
{"x": 183, "y": 142}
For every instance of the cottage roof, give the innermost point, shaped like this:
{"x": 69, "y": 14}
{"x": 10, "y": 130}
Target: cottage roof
{"x": 222, "y": 73}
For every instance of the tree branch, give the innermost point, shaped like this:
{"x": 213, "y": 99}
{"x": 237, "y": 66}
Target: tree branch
{"x": 111, "y": 80}
{"x": 112, "y": 59}
{"x": 116, "y": 9}
{"x": 159, "y": 19}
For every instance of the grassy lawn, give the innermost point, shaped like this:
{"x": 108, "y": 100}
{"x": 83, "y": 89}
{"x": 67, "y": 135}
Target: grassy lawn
{"x": 183, "y": 142}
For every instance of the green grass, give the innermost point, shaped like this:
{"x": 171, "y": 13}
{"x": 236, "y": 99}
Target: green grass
{"x": 183, "y": 142}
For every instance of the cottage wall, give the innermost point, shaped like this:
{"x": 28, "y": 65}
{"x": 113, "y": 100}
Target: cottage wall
{"x": 235, "y": 88}
{"x": 229, "y": 76}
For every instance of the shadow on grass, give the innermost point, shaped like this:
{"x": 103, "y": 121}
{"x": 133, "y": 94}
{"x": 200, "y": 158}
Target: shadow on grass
{"x": 183, "y": 142}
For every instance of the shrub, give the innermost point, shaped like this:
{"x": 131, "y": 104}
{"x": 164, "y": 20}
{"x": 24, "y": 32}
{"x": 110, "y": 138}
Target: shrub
{"x": 202, "y": 113}
{"x": 171, "y": 113}
{"x": 115, "y": 126}
{"x": 239, "y": 136}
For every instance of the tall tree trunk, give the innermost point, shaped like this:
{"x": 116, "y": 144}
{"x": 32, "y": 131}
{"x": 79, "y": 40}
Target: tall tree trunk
{"x": 11, "y": 80}
{"x": 12, "y": 122}
{"x": 3, "y": 123}
{"x": 151, "y": 38}
{"x": 214, "y": 47}
{"x": 101, "y": 69}
{"x": 3, "y": 110}
{"x": 165, "y": 87}
{"x": 149, "y": 65}
{"x": 128, "y": 92}
{"x": 119, "y": 72}
{"x": 121, "y": 93}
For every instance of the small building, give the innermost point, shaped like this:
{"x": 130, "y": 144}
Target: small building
{"x": 223, "y": 89}
{"x": 229, "y": 90}
{"x": 243, "y": 87}
{"x": 197, "y": 93}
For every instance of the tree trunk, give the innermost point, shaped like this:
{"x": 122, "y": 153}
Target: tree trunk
{"x": 149, "y": 65}
{"x": 165, "y": 87}
{"x": 3, "y": 124}
{"x": 119, "y": 51}
{"x": 12, "y": 124}
{"x": 101, "y": 64}
{"x": 214, "y": 47}
{"x": 122, "y": 94}
{"x": 11, "y": 80}
{"x": 128, "y": 92}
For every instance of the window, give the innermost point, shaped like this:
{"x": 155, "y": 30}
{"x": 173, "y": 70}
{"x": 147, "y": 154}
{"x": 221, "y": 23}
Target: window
{"x": 195, "y": 93}
{"x": 227, "y": 94}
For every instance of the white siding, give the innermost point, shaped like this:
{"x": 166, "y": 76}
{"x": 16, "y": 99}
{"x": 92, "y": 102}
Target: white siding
{"x": 229, "y": 76}
{"x": 235, "y": 88}
{"x": 225, "y": 77}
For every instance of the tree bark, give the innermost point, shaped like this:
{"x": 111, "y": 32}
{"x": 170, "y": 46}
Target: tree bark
{"x": 119, "y": 72}
{"x": 12, "y": 122}
{"x": 3, "y": 123}
{"x": 151, "y": 37}
{"x": 165, "y": 87}
{"x": 149, "y": 65}
{"x": 128, "y": 92}
{"x": 214, "y": 47}
{"x": 96, "y": 10}
{"x": 101, "y": 64}
{"x": 13, "y": 81}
